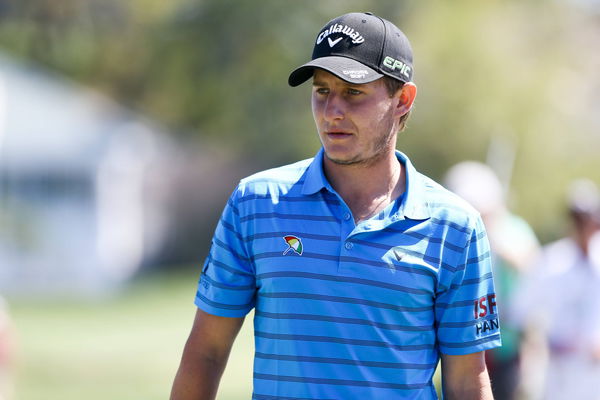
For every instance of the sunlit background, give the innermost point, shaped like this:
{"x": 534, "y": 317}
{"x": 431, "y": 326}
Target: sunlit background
{"x": 124, "y": 125}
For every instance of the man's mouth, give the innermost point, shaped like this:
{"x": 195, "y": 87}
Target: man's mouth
{"x": 338, "y": 134}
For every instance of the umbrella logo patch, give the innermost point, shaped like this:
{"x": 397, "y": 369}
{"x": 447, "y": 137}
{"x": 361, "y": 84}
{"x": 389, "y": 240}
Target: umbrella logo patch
{"x": 294, "y": 243}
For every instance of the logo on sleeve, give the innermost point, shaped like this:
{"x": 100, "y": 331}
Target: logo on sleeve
{"x": 485, "y": 309}
{"x": 294, "y": 243}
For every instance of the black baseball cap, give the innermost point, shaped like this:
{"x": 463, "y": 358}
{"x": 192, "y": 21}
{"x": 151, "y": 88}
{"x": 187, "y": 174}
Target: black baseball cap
{"x": 359, "y": 48}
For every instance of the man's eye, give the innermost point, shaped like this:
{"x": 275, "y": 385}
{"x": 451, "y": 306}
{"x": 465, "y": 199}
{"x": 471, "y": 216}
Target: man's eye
{"x": 322, "y": 90}
{"x": 354, "y": 92}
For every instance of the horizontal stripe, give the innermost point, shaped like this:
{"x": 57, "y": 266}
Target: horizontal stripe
{"x": 474, "y": 260}
{"x": 301, "y": 217}
{"x": 356, "y": 260}
{"x": 463, "y": 229}
{"x": 480, "y": 279}
{"x": 456, "y": 304}
{"x": 223, "y": 306}
{"x": 230, "y": 228}
{"x": 288, "y": 199}
{"x": 433, "y": 261}
{"x": 233, "y": 207}
{"x": 349, "y": 300}
{"x": 256, "y": 181}
{"x": 231, "y": 270}
{"x": 467, "y": 282}
{"x": 443, "y": 241}
{"x": 230, "y": 250}
{"x": 417, "y": 235}
{"x": 383, "y": 264}
{"x": 471, "y": 343}
{"x": 343, "y": 361}
{"x": 453, "y": 225}
{"x": 355, "y": 342}
{"x": 467, "y": 323}
{"x": 342, "y": 320}
{"x": 478, "y": 259}
{"x": 341, "y": 279}
{"x": 301, "y": 235}
{"x": 340, "y": 382}
{"x": 226, "y": 287}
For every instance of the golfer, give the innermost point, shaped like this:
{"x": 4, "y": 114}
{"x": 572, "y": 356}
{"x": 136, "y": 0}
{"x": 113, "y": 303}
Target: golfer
{"x": 362, "y": 272}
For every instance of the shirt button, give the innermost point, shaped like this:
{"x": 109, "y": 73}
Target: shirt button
{"x": 346, "y": 216}
{"x": 368, "y": 226}
{"x": 348, "y": 245}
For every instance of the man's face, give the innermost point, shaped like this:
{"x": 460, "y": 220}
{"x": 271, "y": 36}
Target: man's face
{"x": 357, "y": 124}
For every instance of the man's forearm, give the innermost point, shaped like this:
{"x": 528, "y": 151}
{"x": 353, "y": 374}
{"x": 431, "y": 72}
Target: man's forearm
{"x": 481, "y": 390}
{"x": 204, "y": 356}
{"x": 197, "y": 379}
{"x": 465, "y": 377}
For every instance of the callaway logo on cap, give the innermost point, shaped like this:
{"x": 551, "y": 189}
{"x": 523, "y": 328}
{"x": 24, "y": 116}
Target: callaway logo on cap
{"x": 359, "y": 48}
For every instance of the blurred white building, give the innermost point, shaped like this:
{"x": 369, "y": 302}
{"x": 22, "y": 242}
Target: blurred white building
{"x": 82, "y": 186}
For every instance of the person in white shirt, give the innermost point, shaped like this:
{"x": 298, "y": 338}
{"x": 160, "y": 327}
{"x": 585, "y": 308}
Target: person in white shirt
{"x": 559, "y": 302}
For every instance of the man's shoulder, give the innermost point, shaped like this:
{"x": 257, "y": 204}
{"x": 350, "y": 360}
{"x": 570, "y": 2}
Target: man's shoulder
{"x": 279, "y": 179}
{"x": 447, "y": 206}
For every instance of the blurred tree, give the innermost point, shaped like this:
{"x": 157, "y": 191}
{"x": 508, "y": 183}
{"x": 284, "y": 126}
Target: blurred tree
{"x": 509, "y": 70}
{"x": 517, "y": 72}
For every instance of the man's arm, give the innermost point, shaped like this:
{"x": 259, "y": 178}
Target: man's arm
{"x": 205, "y": 356}
{"x": 465, "y": 377}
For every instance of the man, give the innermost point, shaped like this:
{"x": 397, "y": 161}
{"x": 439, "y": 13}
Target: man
{"x": 361, "y": 270}
{"x": 558, "y": 303}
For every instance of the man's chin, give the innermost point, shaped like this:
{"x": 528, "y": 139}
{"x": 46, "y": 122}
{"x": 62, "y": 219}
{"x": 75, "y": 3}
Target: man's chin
{"x": 344, "y": 161}
{"x": 356, "y": 160}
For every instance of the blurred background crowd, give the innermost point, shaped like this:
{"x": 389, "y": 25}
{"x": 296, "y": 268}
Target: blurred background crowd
{"x": 124, "y": 125}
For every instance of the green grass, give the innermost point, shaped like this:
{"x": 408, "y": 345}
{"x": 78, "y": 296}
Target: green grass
{"x": 127, "y": 347}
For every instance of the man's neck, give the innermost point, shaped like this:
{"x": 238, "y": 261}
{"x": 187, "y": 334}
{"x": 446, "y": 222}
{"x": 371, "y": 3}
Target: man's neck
{"x": 367, "y": 188}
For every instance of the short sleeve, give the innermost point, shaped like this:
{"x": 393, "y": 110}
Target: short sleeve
{"x": 227, "y": 284}
{"x": 465, "y": 306}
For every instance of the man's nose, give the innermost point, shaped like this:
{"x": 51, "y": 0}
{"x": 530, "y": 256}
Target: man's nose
{"x": 334, "y": 107}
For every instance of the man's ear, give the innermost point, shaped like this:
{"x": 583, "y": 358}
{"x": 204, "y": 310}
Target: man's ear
{"x": 406, "y": 97}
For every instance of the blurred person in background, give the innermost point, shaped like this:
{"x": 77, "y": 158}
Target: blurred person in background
{"x": 6, "y": 352}
{"x": 559, "y": 303}
{"x": 514, "y": 246}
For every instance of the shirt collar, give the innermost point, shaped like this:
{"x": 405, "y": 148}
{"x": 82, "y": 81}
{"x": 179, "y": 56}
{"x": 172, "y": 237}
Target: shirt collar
{"x": 414, "y": 203}
{"x": 315, "y": 176}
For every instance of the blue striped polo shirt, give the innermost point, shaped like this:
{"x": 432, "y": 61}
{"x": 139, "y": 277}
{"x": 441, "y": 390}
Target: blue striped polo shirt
{"x": 345, "y": 310}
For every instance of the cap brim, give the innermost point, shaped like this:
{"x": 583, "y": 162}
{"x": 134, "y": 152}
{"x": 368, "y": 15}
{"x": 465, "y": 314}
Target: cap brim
{"x": 344, "y": 68}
